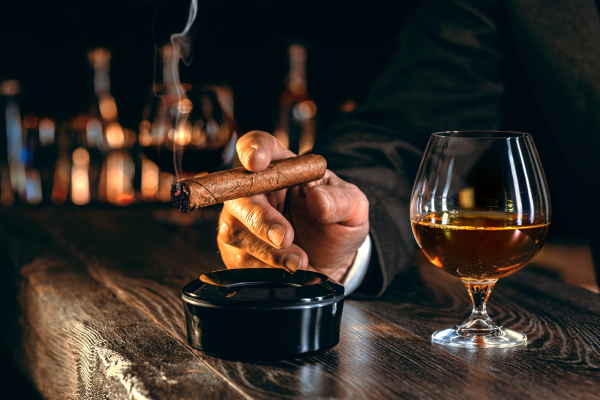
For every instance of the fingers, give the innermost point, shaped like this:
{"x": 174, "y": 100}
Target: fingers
{"x": 337, "y": 201}
{"x": 262, "y": 220}
{"x": 240, "y": 248}
{"x": 257, "y": 149}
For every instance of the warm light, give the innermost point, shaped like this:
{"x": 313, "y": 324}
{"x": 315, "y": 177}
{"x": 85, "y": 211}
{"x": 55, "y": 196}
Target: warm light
{"x": 158, "y": 132}
{"x": 80, "y": 182}
{"x": 436, "y": 262}
{"x": 80, "y": 186}
{"x": 124, "y": 199}
{"x": 184, "y": 106}
{"x": 282, "y": 137}
{"x": 466, "y": 197}
{"x": 99, "y": 57}
{"x": 149, "y": 180}
{"x": 305, "y": 110}
{"x": 115, "y": 136}
{"x": 46, "y": 132}
{"x": 165, "y": 182}
{"x": 108, "y": 107}
{"x": 30, "y": 121}
{"x": 81, "y": 157}
{"x": 10, "y": 88}
{"x": 183, "y": 136}
{"x": 119, "y": 175}
{"x": 198, "y": 136}
{"x": 145, "y": 137}
{"x": 93, "y": 132}
{"x": 348, "y": 105}
{"x": 80, "y": 123}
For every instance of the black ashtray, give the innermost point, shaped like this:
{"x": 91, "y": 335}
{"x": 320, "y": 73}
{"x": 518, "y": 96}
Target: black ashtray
{"x": 263, "y": 312}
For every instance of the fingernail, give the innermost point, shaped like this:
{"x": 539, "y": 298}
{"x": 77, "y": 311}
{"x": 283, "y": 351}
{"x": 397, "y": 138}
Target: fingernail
{"x": 327, "y": 199}
{"x": 276, "y": 234}
{"x": 292, "y": 262}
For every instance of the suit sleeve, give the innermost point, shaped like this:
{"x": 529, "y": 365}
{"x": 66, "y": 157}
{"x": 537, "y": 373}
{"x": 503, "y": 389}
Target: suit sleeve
{"x": 444, "y": 76}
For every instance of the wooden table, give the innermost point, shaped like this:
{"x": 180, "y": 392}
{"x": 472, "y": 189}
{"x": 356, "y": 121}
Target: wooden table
{"x": 101, "y": 317}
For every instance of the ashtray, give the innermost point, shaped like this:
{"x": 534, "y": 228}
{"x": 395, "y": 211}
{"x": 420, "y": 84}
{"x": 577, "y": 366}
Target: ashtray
{"x": 263, "y": 312}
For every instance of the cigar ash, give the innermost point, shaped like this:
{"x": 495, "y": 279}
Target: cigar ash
{"x": 180, "y": 197}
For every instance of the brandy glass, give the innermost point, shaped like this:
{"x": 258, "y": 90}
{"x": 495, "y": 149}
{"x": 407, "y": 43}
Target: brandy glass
{"x": 480, "y": 211}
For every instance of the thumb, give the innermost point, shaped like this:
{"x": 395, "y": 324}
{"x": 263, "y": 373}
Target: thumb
{"x": 341, "y": 203}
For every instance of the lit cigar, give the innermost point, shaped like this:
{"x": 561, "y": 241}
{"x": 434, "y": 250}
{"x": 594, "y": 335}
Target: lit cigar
{"x": 189, "y": 194}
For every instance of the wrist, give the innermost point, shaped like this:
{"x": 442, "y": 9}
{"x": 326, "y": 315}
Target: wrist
{"x": 339, "y": 270}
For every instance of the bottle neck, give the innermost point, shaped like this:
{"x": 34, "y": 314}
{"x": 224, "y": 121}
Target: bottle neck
{"x": 296, "y": 79}
{"x": 99, "y": 59}
{"x": 170, "y": 72}
{"x": 101, "y": 81}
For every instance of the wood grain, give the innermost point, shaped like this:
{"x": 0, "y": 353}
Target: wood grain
{"x": 130, "y": 268}
{"x": 562, "y": 324}
{"x": 79, "y": 341}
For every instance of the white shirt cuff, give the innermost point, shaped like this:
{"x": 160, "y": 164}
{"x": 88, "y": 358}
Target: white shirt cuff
{"x": 358, "y": 270}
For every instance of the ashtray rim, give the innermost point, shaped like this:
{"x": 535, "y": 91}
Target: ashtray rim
{"x": 306, "y": 289}
{"x": 279, "y": 305}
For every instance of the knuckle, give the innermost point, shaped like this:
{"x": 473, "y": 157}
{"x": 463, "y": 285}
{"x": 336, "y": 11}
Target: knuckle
{"x": 257, "y": 219}
{"x": 229, "y": 235}
{"x": 262, "y": 251}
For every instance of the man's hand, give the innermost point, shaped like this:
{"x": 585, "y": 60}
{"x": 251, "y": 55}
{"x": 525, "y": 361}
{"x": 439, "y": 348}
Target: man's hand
{"x": 321, "y": 228}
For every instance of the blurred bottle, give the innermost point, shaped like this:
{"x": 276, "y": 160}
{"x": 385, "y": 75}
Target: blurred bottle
{"x": 107, "y": 144}
{"x": 296, "y": 124}
{"x": 157, "y": 121}
{"x": 65, "y": 142}
{"x": 12, "y": 167}
{"x": 184, "y": 128}
{"x": 39, "y": 151}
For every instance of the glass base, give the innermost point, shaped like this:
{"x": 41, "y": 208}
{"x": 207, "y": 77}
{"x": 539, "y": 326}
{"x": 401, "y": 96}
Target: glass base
{"x": 467, "y": 338}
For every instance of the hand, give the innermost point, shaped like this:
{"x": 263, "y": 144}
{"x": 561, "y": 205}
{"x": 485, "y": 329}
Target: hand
{"x": 325, "y": 221}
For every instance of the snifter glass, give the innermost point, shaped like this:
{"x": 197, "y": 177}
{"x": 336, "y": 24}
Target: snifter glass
{"x": 480, "y": 211}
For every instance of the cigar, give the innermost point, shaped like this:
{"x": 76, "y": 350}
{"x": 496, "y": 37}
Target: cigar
{"x": 189, "y": 194}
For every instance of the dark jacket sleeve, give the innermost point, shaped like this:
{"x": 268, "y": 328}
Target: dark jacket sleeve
{"x": 444, "y": 76}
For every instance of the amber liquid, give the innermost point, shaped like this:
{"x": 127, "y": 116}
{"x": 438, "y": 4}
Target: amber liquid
{"x": 486, "y": 245}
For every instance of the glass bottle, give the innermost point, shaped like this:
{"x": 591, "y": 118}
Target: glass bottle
{"x": 107, "y": 142}
{"x": 296, "y": 124}
{"x": 12, "y": 167}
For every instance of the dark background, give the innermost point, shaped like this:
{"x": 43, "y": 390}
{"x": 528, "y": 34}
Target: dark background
{"x": 240, "y": 42}
{"x": 43, "y": 45}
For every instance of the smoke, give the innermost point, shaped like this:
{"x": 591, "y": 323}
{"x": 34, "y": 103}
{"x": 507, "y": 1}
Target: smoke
{"x": 182, "y": 49}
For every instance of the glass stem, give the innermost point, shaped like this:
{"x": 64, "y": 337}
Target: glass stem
{"x": 479, "y": 322}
